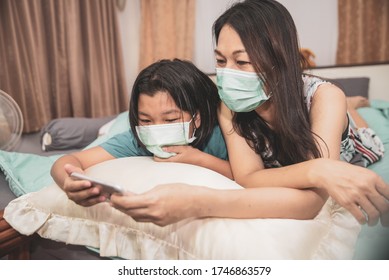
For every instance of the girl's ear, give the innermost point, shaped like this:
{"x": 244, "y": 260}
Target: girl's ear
{"x": 197, "y": 119}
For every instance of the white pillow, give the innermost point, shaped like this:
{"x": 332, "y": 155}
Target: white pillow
{"x": 331, "y": 235}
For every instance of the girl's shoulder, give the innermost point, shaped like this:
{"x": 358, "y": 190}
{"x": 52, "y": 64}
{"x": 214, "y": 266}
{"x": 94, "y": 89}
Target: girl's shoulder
{"x": 216, "y": 145}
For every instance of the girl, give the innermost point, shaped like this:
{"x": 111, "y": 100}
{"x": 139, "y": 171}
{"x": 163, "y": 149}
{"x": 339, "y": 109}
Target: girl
{"x": 173, "y": 116}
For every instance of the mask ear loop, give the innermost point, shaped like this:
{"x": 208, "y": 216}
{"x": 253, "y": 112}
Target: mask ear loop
{"x": 194, "y": 128}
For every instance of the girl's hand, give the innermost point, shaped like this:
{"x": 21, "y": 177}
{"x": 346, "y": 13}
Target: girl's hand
{"x": 81, "y": 191}
{"x": 184, "y": 154}
{"x": 162, "y": 205}
{"x": 358, "y": 189}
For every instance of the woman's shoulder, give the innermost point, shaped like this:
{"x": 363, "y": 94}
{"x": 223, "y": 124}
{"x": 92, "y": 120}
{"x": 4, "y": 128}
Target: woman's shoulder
{"x": 311, "y": 83}
{"x": 314, "y": 85}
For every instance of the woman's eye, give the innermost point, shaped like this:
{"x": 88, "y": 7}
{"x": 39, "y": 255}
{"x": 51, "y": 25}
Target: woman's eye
{"x": 220, "y": 62}
{"x": 242, "y": 62}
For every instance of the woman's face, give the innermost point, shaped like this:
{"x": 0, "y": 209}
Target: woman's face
{"x": 161, "y": 109}
{"x": 230, "y": 52}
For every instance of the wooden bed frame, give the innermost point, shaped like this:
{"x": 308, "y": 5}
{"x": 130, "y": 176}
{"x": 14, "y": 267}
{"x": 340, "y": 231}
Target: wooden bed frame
{"x": 13, "y": 244}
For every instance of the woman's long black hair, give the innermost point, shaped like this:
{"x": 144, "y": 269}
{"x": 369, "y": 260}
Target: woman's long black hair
{"x": 192, "y": 91}
{"x": 269, "y": 36}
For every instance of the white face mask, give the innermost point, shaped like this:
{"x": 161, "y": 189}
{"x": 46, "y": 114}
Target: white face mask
{"x": 154, "y": 137}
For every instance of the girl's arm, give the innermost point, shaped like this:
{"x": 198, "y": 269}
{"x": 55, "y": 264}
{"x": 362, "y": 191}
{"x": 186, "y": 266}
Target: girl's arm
{"x": 78, "y": 190}
{"x": 190, "y": 155}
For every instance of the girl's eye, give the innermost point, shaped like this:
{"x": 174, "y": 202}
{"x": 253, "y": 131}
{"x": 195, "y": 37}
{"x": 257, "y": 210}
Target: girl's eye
{"x": 171, "y": 120}
{"x": 144, "y": 121}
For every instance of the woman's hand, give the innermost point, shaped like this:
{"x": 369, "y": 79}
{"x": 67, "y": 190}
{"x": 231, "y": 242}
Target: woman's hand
{"x": 358, "y": 189}
{"x": 162, "y": 205}
{"x": 225, "y": 116}
{"x": 81, "y": 191}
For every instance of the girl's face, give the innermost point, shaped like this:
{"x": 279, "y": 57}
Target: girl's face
{"x": 161, "y": 109}
{"x": 230, "y": 52}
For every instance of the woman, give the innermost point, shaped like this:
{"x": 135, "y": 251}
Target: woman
{"x": 276, "y": 118}
{"x": 173, "y": 116}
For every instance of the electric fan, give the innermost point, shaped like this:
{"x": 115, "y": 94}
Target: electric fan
{"x": 11, "y": 122}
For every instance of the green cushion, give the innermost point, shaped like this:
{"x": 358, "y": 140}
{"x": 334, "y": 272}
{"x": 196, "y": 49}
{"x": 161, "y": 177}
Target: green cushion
{"x": 377, "y": 118}
{"x": 377, "y": 121}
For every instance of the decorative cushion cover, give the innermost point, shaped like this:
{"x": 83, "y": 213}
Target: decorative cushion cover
{"x": 331, "y": 235}
{"x": 71, "y": 133}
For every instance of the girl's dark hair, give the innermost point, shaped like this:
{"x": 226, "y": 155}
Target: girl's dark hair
{"x": 270, "y": 39}
{"x": 192, "y": 91}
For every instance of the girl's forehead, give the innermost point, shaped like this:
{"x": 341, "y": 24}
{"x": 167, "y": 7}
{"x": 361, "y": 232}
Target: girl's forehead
{"x": 160, "y": 101}
{"x": 159, "y": 96}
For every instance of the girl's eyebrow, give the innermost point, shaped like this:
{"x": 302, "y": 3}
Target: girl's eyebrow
{"x": 168, "y": 112}
{"x": 143, "y": 114}
{"x": 171, "y": 112}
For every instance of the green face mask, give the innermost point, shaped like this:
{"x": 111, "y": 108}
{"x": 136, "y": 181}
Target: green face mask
{"x": 241, "y": 91}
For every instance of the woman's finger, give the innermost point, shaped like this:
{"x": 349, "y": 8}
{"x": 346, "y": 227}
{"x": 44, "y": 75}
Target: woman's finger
{"x": 370, "y": 211}
{"x": 383, "y": 188}
{"x": 358, "y": 213}
{"x": 385, "y": 219}
{"x": 129, "y": 201}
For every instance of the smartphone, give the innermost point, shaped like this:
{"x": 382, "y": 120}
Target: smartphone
{"x": 105, "y": 186}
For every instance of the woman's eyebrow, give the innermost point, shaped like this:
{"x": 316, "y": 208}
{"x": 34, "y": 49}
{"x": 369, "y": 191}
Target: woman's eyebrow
{"x": 218, "y": 52}
{"x": 234, "y": 52}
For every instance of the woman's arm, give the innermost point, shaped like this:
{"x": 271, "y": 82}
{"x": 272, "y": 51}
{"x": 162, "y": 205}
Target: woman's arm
{"x": 353, "y": 187}
{"x": 166, "y": 204}
{"x": 328, "y": 118}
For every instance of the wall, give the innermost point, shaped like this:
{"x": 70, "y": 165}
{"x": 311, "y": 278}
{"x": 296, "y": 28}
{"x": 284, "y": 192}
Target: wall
{"x": 129, "y": 23}
{"x": 316, "y": 22}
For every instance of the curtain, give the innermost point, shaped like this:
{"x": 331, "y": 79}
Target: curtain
{"x": 167, "y": 30}
{"x": 61, "y": 58}
{"x": 363, "y": 31}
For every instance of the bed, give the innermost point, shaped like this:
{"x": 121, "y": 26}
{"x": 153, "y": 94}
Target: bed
{"x": 334, "y": 234}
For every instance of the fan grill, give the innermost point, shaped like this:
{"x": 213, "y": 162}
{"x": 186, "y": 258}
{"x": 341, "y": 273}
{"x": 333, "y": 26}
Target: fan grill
{"x": 11, "y": 122}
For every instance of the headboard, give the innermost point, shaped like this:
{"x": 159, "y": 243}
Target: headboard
{"x": 377, "y": 75}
